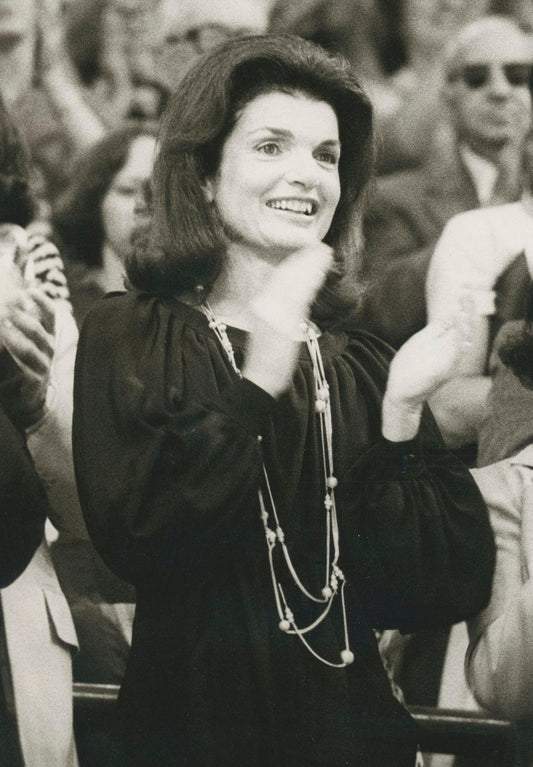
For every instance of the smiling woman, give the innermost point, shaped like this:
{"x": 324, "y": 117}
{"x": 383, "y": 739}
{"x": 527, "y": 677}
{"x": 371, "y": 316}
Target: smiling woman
{"x": 277, "y": 188}
{"x": 243, "y": 461}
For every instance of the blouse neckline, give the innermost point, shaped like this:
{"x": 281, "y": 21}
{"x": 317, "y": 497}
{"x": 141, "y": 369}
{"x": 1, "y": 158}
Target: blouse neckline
{"x": 330, "y": 343}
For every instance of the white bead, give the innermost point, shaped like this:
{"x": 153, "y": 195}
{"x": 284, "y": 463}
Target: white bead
{"x": 320, "y": 405}
{"x": 332, "y": 482}
{"x": 347, "y": 657}
{"x": 327, "y": 592}
{"x": 323, "y": 394}
{"x": 259, "y": 438}
{"x": 284, "y": 625}
{"x": 338, "y": 572}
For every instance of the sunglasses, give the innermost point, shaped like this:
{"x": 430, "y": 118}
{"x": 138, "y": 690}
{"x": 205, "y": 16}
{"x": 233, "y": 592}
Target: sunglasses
{"x": 476, "y": 76}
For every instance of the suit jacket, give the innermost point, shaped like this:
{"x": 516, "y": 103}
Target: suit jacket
{"x": 499, "y": 661}
{"x": 40, "y": 637}
{"x": 405, "y": 219}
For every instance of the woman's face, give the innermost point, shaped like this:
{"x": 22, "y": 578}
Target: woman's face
{"x": 277, "y": 186}
{"x": 431, "y": 23}
{"x": 17, "y": 18}
{"x": 118, "y": 205}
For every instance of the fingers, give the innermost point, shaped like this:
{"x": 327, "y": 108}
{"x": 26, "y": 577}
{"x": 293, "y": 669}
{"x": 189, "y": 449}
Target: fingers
{"x": 297, "y": 280}
{"x": 465, "y": 320}
{"x": 27, "y": 342}
{"x": 46, "y": 307}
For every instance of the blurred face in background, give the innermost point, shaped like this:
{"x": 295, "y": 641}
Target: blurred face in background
{"x": 18, "y": 35}
{"x": 489, "y": 95}
{"x": 429, "y": 24}
{"x": 118, "y": 205}
{"x": 17, "y": 18}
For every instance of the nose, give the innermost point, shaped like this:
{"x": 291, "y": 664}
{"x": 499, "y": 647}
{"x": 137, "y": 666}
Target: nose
{"x": 303, "y": 171}
{"x": 498, "y": 86}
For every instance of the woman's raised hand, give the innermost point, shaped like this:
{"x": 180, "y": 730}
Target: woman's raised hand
{"x": 277, "y": 313}
{"x": 27, "y": 332}
{"x": 422, "y": 365}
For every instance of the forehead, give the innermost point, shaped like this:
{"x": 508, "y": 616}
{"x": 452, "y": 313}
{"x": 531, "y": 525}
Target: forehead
{"x": 140, "y": 158}
{"x": 297, "y": 114}
{"x": 462, "y": 10}
{"x": 17, "y": 7}
{"x": 503, "y": 44}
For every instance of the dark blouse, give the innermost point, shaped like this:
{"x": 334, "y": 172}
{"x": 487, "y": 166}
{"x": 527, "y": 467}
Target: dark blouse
{"x": 168, "y": 465}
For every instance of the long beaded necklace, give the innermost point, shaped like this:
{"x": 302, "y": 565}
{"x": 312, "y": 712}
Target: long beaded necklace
{"x": 334, "y": 581}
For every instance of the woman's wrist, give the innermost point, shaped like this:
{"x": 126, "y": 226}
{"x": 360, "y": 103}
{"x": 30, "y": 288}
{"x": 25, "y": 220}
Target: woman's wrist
{"x": 400, "y": 419}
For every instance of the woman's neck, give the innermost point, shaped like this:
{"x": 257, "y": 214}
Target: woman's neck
{"x": 243, "y": 276}
{"x": 111, "y": 273}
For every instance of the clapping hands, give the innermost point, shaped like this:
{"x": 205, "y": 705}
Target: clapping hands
{"x": 277, "y": 313}
{"x": 27, "y": 333}
{"x": 422, "y": 365}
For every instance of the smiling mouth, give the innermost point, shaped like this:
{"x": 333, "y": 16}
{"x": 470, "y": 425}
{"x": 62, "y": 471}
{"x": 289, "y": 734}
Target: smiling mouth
{"x": 305, "y": 207}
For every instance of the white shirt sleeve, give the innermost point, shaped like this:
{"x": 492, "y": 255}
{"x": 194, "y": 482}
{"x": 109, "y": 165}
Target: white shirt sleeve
{"x": 474, "y": 249}
{"x": 50, "y": 439}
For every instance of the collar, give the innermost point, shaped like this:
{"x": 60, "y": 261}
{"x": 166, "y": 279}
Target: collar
{"x": 523, "y": 458}
{"x": 483, "y": 172}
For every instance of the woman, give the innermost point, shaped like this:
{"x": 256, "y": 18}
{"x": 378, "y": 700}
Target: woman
{"x": 95, "y": 216}
{"x": 238, "y": 476}
{"x": 94, "y": 220}
{"x": 486, "y": 252}
{"x": 38, "y": 339}
{"x": 499, "y": 657}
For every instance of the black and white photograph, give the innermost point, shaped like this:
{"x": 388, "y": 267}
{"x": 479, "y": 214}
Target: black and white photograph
{"x": 266, "y": 383}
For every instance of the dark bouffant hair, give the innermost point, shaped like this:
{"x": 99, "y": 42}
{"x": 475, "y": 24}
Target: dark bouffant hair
{"x": 186, "y": 242}
{"x": 16, "y": 200}
{"x": 77, "y": 214}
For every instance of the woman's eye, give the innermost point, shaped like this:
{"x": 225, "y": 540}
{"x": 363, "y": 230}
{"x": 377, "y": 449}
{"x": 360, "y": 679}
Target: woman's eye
{"x": 330, "y": 158}
{"x": 270, "y": 148}
{"x": 126, "y": 190}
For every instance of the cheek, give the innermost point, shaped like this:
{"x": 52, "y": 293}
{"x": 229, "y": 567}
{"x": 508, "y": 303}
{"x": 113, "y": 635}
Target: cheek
{"x": 117, "y": 217}
{"x": 525, "y": 102}
{"x": 333, "y": 194}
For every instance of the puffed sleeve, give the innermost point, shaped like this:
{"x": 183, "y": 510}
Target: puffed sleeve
{"x": 422, "y": 548}
{"x": 23, "y": 504}
{"x": 161, "y": 472}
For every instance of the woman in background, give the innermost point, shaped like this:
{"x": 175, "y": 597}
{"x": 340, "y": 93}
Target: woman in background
{"x": 38, "y": 339}
{"x": 95, "y": 216}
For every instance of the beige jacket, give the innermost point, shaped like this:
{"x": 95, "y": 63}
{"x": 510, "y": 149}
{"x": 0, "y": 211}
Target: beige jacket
{"x": 499, "y": 662}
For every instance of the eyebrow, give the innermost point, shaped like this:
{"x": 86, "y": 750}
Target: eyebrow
{"x": 283, "y": 133}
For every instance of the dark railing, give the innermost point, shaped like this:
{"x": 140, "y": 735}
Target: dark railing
{"x": 442, "y": 731}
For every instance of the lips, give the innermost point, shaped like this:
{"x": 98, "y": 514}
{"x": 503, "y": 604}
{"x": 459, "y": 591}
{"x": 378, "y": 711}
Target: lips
{"x": 304, "y": 207}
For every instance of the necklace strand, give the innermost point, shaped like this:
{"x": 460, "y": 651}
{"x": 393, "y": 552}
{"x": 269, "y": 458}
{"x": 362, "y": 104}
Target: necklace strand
{"x": 334, "y": 578}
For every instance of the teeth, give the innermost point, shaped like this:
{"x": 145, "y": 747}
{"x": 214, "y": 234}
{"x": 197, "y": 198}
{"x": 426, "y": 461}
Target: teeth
{"x": 297, "y": 206}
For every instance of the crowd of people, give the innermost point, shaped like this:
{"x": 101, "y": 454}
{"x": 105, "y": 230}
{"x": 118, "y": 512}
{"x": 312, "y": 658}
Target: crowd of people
{"x": 266, "y": 372}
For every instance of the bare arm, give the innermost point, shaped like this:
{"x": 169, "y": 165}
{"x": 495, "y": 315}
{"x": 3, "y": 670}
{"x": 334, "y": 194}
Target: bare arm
{"x": 61, "y": 82}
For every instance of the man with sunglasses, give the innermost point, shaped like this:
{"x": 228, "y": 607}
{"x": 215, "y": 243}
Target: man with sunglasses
{"x": 486, "y": 102}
